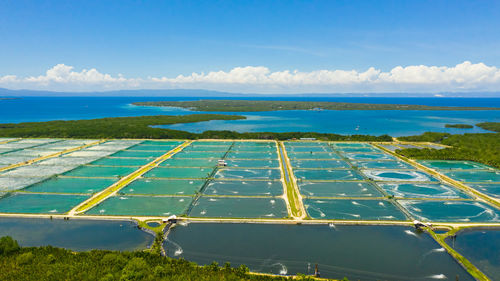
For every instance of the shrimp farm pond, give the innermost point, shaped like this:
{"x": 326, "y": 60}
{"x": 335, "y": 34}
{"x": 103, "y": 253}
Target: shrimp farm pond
{"x": 353, "y": 209}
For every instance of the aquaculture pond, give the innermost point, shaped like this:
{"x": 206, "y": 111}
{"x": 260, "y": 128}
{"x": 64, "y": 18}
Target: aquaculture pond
{"x": 355, "y": 252}
{"x": 76, "y": 234}
{"x": 481, "y": 247}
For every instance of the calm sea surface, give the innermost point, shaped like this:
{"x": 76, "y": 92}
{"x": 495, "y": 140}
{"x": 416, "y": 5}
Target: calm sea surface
{"x": 394, "y": 122}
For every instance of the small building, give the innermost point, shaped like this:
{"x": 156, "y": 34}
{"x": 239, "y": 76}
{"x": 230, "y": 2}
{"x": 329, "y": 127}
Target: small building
{"x": 221, "y": 163}
{"x": 171, "y": 219}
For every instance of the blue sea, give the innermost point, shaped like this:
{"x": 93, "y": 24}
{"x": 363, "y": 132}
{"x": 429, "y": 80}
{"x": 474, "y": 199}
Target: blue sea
{"x": 394, "y": 122}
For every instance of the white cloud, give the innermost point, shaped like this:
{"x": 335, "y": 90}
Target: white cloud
{"x": 464, "y": 77}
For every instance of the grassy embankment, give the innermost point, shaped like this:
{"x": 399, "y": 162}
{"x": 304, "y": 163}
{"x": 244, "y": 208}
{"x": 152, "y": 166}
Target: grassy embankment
{"x": 140, "y": 128}
{"x": 49, "y": 263}
{"x": 482, "y": 148}
{"x": 269, "y": 105}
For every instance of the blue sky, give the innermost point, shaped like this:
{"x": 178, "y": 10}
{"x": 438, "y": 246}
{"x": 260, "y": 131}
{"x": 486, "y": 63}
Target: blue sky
{"x": 141, "y": 39}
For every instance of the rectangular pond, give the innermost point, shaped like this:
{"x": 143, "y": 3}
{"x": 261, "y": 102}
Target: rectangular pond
{"x": 189, "y": 173}
{"x": 116, "y": 161}
{"x": 338, "y": 189}
{"x": 148, "y": 186}
{"x": 71, "y": 185}
{"x": 422, "y": 190}
{"x": 356, "y": 252}
{"x": 313, "y": 155}
{"x": 320, "y": 164}
{"x": 451, "y": 211}
{"x": 491, "y": 189}
{"x": 346, "y": 209}
{"x": 234, "y": 207}
{"x": 398, "y": 175}
{"x": 142, "y": 206}
{"x": 244, "y": 188}
{"x": 475, "y": 176}
{"x": 255, "y": 174}
{"x": 340, "y": 175}
{"x": 33, "y": 203}
{"x": 101, "y": 171}
{"x": 385, "y": 164}
{"x": 453, "y": 165}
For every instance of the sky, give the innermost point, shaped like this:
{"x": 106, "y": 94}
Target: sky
{"x": 251, "y": 46}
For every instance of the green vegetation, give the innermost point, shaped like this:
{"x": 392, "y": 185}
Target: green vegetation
{"x": 490, "y": 126}
{"x": 268, "y": 105}
{"x": 482, "y": 148}
{"x": 140, "y": 128}
{"x": 49, "y": 263}
{"x": 459, "y": 126}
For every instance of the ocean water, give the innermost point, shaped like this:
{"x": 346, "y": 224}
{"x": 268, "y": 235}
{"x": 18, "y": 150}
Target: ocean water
{"x": 395, "y": 123}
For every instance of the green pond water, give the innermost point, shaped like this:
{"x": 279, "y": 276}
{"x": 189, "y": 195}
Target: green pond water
{"x": 203, "y": 148}
{"x": 142, "y": 206}
{"x": 397, "y": 175}
{"x": 491, "y": 189}
{"x": 252, "y": 155}
{"x": 420, "y": 190}
{"x": 319, "y": 164}
{"x": 244, "y": 188}
{"x": 313, "y": 155}
{"x": 451, "y": 211}
{"x": 163, "y": 187}
{"x": 253, "y": 148}
{"x": 138, "y": 153}
{"x": 474, "y": 176}
{"x": 241, "y": 163}
{"x": 338, "y": 189}
{"x": 453, "y": 165}
{"x": 368, "y": 156}
{"x": 214, "y": 143}
{"x": 168, "y": 143}
{"x": 481, "y": 247}
{"x": 225, "y": 207}
{"x": 359, "y": 149}
{"x": 255, "y": 174}
{"x": 185, "y": 162}
{"x": 108, "y": 161}
{"x": 100, "y": 171}
{"x": 356, "y": 252}
{"x": 188, "y": 173}
{"x": 71, "y": 185}
{"x": 346, "y": 209}
{"x": 28, "y": 203}
{"x": 303, "y": 149}
{"x": 377, "y": 164}
{"x": 199, "y": 154}
{"x": 350, "y": 144}
{"x": 162, "y": 148}
{"x": 76, "y": 234}
{"x": 327, "y": 175}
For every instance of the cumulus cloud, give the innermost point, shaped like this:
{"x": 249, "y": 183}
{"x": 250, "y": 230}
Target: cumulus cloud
{"x": 462, "y": 77}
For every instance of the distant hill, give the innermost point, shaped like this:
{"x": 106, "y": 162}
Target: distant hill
{"x": 209, "y": 93}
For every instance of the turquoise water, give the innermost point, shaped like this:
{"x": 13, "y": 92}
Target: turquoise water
{"x": 188, "y": 173}
{"x": 453, "y": 165}
{"x": 241, "y": 163}
{"x": 225, "y": 207}
{"x": 419, "y": 190}
{"x": 76, "y": 234}
{"x": 341, "y": 175}
{"x": 199, "y": 154}
{"x": 356, "y": 252}
{"x": 107, "y": 161}
{"x": 244, "y": 188}
{"x": 451, "y": 211}
{"x": 100, "y": 171}
{"x": 359, "y": 149}
{"x": 298, "y": 149}
{"x": 162, "y": 148}
{"x": 338, "y": 189}
{"x": 491, "y": 189}
{"x": 138, "y": 153}
{"x": 142, "y": 206}
{"x": 167, "y": 143}
{"x": 163, "y": 187}
{"x": 252, "y": 155}
{"x": 319, "y": 164}
{"x": 475, "y": 176}
{"x": 382, "y": 165}
{"x": 313, "y": 155}
{"x": 188, "y": 162}
{"x": 71, "y": 185}
{"x": 346, "y": 209}
{"x": 28, "y": 203}
{"x": 481, "y": 247}
{"x": 256, "y": 174}
{"x": 397, "y": 175}
{"x": 368, "y": 156}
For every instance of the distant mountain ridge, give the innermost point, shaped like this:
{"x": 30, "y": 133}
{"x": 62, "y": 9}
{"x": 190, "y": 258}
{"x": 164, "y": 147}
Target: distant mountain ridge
{"x": 209, "y": 93}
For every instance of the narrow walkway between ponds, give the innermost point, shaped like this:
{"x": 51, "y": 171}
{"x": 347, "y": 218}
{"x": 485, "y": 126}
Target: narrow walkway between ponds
{"x": 292, "y": 194}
